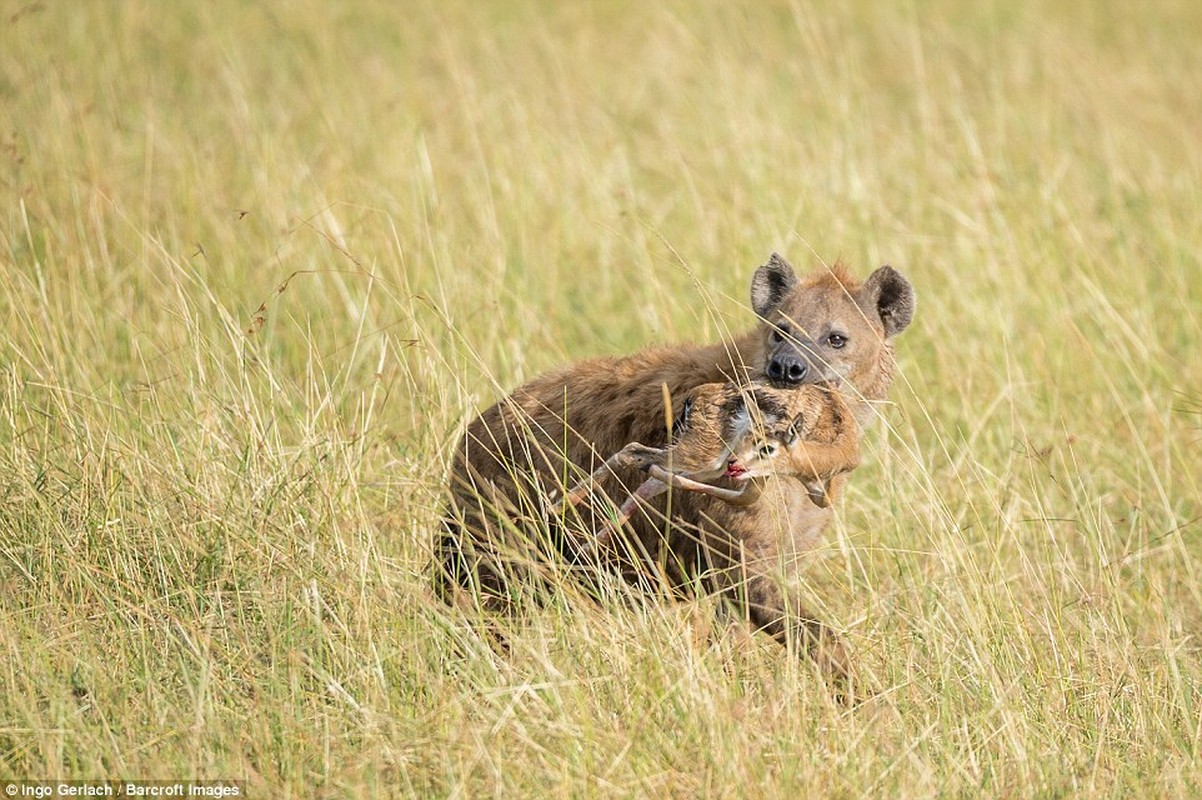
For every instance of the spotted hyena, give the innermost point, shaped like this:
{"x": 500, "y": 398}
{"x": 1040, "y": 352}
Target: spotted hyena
{"x": 516, "y": 457}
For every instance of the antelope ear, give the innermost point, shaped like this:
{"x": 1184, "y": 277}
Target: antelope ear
{"x": 681, "y": 424}
{"x": 888, "y": 291}
{"x": 770, "y": 284}
{"x": 794, "y": 431}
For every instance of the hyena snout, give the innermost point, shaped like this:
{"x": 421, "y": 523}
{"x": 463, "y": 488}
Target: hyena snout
{"x": 789, "y": 368}
{"x": 792, "y": 364}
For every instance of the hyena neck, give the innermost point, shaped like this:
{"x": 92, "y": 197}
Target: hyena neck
{"x": 865, "y": 400}
{"x": 738, "y": 360}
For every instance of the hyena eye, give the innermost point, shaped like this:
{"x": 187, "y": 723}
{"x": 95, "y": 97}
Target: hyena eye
{"x": 779, "y": 333}
{"x": 836, "y": 340}
{"x": 768, "y": 450}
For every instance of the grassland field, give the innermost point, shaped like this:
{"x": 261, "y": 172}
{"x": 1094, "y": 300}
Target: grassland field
{"x": 261, "y": 262}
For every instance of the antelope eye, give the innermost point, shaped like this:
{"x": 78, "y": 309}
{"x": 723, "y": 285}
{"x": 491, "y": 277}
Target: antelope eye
{"x": 767, "y": 450}
{"x": 836, "y": 340}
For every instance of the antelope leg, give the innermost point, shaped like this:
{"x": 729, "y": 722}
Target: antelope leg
{"x": 745, "y": 496}
{"x": 632, "y": 455}
{"x": 652, "y": 487}
{"x": 819, "y": 492}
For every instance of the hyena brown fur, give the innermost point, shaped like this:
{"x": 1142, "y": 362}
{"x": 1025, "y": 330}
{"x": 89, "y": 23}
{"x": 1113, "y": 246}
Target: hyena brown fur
{"x": 501, "y": 528}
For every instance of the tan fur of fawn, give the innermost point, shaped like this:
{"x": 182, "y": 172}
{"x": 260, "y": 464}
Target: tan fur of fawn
{"x": 729, "y": 434}
{"x": 500, "y": 530}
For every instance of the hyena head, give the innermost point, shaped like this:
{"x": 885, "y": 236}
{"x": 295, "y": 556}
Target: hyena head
{"x": 830, "y": 327}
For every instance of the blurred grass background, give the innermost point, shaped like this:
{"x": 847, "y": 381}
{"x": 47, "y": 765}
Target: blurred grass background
{"x": 259, "y": 263}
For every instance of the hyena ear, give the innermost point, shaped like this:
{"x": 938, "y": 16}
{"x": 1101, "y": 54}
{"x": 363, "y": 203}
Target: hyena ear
{"x": 770, "y": 284}
{"x": 887, "y": 291}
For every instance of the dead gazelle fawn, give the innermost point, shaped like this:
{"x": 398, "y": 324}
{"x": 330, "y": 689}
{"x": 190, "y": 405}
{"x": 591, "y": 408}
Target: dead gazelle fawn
{"x": 742, "y": 434}
{"x": 827, "y": 327}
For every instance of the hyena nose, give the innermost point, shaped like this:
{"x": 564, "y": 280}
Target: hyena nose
{"x": 787, "y": 369}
